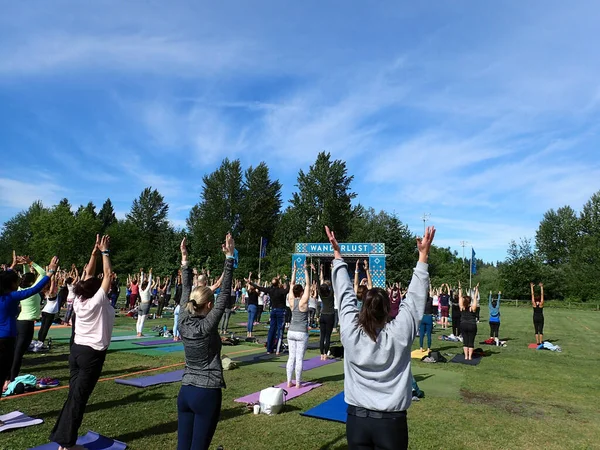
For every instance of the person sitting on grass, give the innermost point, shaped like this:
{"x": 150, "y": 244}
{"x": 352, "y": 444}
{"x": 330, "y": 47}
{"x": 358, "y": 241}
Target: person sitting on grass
{"x": 538, "y": 313}
{"x": 200, "y": 396}
{"x": 468, "y": 321}
{"x": 297, "y": 335}
{"x": 95, "y": 320}
{"x": 377, "y": 361}
{"x": 494, "y": 307}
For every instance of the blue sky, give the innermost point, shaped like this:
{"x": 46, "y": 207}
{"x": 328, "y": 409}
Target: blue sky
{"x": 483, "y": 114}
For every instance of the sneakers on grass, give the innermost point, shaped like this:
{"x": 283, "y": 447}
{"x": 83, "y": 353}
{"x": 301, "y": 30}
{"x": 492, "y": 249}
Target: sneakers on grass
{"x": 48, "y": 382}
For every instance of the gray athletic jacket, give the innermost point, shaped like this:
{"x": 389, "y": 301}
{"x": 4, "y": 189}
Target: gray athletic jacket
{"x": 377, "y": 375}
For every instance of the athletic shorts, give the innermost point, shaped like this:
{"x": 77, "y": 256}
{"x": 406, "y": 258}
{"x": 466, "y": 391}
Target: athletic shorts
{"x": 445, "y": 311}
{"x": 144, "y": 308}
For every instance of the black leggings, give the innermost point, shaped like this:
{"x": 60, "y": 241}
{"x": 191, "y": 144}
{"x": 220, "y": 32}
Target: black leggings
{"x": 85, "y": 365}
{"x": 381, "y": 434}
{"x": 24, "y": 337}
{"x": 494, "y": 328}
{"x": 456, "y": 325}
{"x": 47, "y": 319}
{"x": 326, "y": 325}
{"x": 538, "y": 324}
{"x": 161, "y": 305}
{"x": 7, "y": 353}
{"x": 469, "y": 331}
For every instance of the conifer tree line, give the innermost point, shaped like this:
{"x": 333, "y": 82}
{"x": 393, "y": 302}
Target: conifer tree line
{"x": 248, "y": 202}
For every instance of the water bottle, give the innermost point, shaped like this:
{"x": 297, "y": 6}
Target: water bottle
{"x": 165, "y": 330}
{"x": 50, "y": 344}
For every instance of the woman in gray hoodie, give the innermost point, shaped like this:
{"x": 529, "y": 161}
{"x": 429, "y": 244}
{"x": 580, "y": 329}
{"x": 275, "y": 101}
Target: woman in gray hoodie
{"x": 377, "y": 375}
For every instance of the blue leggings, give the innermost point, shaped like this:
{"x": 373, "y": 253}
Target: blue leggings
{"x": 252, "y": 309}
{"x": 426, "y": 328}
{"x": 198, "y": 411}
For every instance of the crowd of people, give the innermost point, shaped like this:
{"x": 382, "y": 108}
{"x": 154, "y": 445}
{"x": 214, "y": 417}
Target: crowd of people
{"x": 377, "y": 328}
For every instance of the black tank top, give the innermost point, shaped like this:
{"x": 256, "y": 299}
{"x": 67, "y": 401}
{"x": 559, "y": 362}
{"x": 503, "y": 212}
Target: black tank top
{"x": 253, "y": 298}
{"x": 428, "y": 306}
{"x": 538, "y": 312}
{"x": 467, "y": 316}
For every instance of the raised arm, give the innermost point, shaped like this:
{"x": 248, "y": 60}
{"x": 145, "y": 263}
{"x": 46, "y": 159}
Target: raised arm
{"x": 186, "y": 275}
{"x": 475, "y": 299}
{"x": 218, "y": 283}
{"x": 499, "y": 295}
{"x": 37, "y": 287}
{"x": 90, "y": 269}
{"x": 303, "y": 305}
{"x": 490, "y": 300}
{"x": 542, "y": 294}
{"x": 321, "y": 274}
{"x": 290, "y": 295}
{"x": 104, "y": 248}
{"x": 369, "y": 280}
{"x": 356, "y": 281}
{"x": 532, "y": 286}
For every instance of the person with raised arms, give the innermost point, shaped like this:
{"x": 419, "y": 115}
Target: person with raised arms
{"x": 10, "y": 298}
{"x": 95, "y": 320}
{"x": 145, "y": 291}
{"x": 468, "y": 320}
{"x": 538, "y": 313}
{"x": 377, "y": 375}
{"x": 50, "y": 310}
{"x": 200, "y": 396}
{"x": 298, "y": 332}
{"x": 494, "y": 307}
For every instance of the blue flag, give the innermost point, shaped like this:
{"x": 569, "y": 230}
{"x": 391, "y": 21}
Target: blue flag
{"x": 263, "y": 247}
{"x": 236, "y": 258}
{"x": 473, "y": 262}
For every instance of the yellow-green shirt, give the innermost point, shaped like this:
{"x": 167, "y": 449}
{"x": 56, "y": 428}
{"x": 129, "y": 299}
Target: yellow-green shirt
{"x": 30, "y": 307}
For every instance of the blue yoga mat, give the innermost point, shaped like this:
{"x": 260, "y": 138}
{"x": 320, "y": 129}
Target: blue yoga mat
{"x": 170, "y": 348}
{"x": 123, "y": 338}
{"x": 162, "y": 341}
{"x": 91, "y": 441}
{"x": 161, "y": 378}
{"x": 333, "y": 409}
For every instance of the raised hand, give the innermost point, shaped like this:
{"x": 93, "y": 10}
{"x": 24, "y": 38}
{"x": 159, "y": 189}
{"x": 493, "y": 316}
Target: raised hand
{"x": 366, "y": 264}
{"x": 103, "y": 244}
{"x": 424, "y": 243}
{"x": 96, "y": 248}
{"x": 541, "y": 285}
{"x": 53, "y": 265}
{"x": 184, "y": 252}
{"x": 229, "y": 245}
{"x": 334, "y": 243}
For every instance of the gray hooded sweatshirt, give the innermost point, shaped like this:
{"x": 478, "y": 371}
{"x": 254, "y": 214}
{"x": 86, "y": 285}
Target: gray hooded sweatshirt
{"x": 377, "y": 375}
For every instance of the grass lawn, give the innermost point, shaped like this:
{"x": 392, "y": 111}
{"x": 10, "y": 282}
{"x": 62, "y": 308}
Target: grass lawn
{"x": 517, "y": 398}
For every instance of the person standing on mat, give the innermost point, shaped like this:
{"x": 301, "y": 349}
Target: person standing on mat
{"x": 377, "y": 375}
{"x": 297, "y": 335}
{"x": 468, "y": 321}
{"x": 10, "y": 297}
{"x": 327, "y": 319}
{"x": 426, "y": 326}
{"x": 95, "y": 320}
{"x": 444, "y": 300}
{"x": 455, "y": 315}
{"x": 252, "y": 307}
{"x": 538, "y": 313}
{"x": 30, "y": 312}
{"x": 200, "y": 396}
{"x": 49, "y": 312}
{"x": 494, "y": 307}
{"x": 145, "y": 291}
{"x": 277, "y": 297}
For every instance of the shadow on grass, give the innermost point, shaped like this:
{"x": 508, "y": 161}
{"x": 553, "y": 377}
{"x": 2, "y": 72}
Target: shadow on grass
{"x": 341, "y": 440}
{"x": 135, "y": 397}
{"x": 338, "y": 377}
{"x": 40, "y": 360}
{"x": 423, "y": 376}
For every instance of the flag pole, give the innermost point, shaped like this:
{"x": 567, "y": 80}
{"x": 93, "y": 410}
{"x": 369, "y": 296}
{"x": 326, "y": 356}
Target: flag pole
{"x": 259, "y": 255}
{"x": 471, "y": 270}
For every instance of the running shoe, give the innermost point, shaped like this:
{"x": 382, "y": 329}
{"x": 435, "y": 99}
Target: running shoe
{"x": 48, "y": 382}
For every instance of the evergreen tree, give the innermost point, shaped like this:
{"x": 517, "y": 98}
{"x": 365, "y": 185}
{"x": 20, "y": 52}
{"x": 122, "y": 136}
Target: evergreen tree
{"x": 107, "y": 214}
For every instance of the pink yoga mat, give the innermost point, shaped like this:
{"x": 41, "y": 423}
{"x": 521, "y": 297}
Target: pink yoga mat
{"x": 293, "y": 392}
{"x": 534, "y": 345}
{"x": 315, "y": 362}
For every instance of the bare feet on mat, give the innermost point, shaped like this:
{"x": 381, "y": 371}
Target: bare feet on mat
{"x": 289, "y": 384}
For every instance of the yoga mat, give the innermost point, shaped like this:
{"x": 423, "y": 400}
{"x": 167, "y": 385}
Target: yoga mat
{"x": 91, "y": 441}
{"x": 534, "y": 346}
{"x": 17, "y": 419}
{"x": 333, "y": 409}
{"x": 255, "y": 357}
{"x": 161, "y": 378}
{"x": 243, "y": 324}
{"x": 315, "y": 362}
{"x": 123, "y": 338}
{"x": 171, "y": 348}
{"x": 418, "y": 354}
{"x": 157, "y": 342}
{"x": 293, "y": 392}
{"x": 460, "y": 359}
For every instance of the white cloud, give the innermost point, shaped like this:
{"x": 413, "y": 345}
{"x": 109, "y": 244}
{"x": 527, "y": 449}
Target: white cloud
{"x": 20, "y": 195}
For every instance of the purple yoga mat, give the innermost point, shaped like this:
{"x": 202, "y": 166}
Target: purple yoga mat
{"x": 161, "y": 378}
{"x": 91, "y": 441}
{"x": 315, "y": 362}
{"x": 157, "y": 342}
{"x": 293, "y": 392}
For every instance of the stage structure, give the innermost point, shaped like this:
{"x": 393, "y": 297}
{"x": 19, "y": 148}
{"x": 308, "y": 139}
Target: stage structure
{"x": 375, "y": 253}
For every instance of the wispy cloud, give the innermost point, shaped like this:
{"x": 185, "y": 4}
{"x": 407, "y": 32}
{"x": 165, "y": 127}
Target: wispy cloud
{"x": 20, "y": 195}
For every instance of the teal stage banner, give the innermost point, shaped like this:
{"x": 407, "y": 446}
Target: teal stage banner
{"x": 363, "y": 249}
{"x": 300, "y": 260}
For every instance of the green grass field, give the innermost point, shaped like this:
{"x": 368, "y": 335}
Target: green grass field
{"x": 517, "y": 398}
